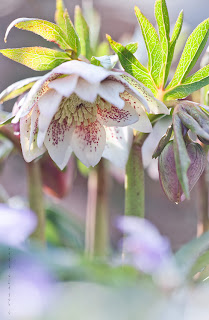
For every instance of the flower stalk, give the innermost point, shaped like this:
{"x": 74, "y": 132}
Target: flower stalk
{"x": 36, "y": 201}
{"x": 134, "y": 180}
{"x": 97, "y": 220}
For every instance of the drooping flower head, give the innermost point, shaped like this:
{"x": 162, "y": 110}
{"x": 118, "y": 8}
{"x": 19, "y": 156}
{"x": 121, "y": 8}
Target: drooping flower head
{"x": 72, "y": 109}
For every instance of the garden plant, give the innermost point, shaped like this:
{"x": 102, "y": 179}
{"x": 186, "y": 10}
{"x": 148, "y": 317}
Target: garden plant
{"x": 91, "y": 109}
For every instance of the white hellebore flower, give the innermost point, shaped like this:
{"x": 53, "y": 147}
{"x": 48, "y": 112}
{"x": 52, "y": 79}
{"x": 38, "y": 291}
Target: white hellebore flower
{"x": 72, "y": 109}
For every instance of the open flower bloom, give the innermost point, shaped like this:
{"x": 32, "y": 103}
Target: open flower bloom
{"x": 72, "y": 108}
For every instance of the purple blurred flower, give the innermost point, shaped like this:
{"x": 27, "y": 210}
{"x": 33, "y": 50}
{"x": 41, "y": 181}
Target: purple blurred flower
{"x": 143, "y": 245}
{"x": 15, "y": 225}
{"x": 29, "y": 288}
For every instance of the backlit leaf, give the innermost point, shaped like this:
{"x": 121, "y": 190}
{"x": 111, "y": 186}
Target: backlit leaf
{"x": 36, "y": 58}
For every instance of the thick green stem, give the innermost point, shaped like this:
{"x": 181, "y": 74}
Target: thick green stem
{"x": 36, "y": 201}
{"x": 97, "y": 219}
{"x": 134, "y": 180}
{"x": 202, "y": 216}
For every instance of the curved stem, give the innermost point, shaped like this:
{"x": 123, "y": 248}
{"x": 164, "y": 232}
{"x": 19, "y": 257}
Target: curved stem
{"x": 97, "y": 220}
{"x": 36, "y": 201}
{"x": 134, "y": 180}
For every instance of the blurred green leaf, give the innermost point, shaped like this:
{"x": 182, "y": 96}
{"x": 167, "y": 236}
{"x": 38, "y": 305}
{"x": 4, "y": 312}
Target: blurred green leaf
{"x": 69, "y": 231}
{"x": 17, "y": 88}
{"x": 132, "y": 65}
{"x": 103, "y": 49}
{"x": 37, "y": 58}
{"x": 59, "y": 14}
{"x": 189, "y": 254}
{"x": 162, "y": 18}
{"x": 193, "y": 48}
{"x": 83, "y": 33}
{"x": 132, "y": 47}
{"x": 182, "y": 159}
{"x": 83, "y": 169}
{"x": 43, "y": 28}
{"x": 155, "y": 55}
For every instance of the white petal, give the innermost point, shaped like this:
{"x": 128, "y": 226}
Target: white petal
{"x": 110, "y": 91}
{"x": 48, "y": 105}
{"x": 89, "y": 72}
{"x": 155, "y": 105}
{"x": 87, "y": 91}
{"x": 65, "y": 86}
{"x": 37, "y": 91}
{"x": 143, "y": 124}
{"x": 30, "y": 149}
{"x": 88, "y": 143}
{"x": 117, "y": 117}
{"x": 118, "y": 145}
{"x": 57, "y": 142}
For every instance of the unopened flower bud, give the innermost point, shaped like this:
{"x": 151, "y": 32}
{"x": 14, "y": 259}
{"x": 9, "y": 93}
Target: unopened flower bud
{"x": 167, "y": 170}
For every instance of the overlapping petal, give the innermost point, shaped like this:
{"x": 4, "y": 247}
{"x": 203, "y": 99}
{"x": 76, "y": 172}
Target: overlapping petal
{"x": 118, "y": 145}
{"x": 80, "y": 108}
{"x": 88, "y": 143}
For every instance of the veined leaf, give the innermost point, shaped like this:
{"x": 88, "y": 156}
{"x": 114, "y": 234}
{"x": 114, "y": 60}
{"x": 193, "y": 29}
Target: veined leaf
{"x": 193, "y": 48}
{"x": 162, "y": 18}
{"x": 182, "y": 159}
{"x": 72, "y": 35}
{"x": 36, "y": 58}
{"x": 177, "y": 28}
{"x": 17, "y": 89}
{"x": 132, "y": 47}
{"x": 155, "y": 55}
{"x": 43, "y": 28}
{"x": 174, "y": 38}
{"x": 83, "y": 33}
{"x": 132, "y": 65}
{"x": 59, "y": 14}
{"x": 193, "y": 83}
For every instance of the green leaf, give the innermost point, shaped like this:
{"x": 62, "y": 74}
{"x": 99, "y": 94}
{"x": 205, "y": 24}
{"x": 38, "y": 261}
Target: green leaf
{"x": 95, "y": 62}
{"x": 193, "y": 48}
{"x": 36, "y": 58}
{"x": 73, "y": 38}
{"x": 17, "y": 89}
{"x": 103, "y": 49}
{"x": 182, "y": 159}
{"x": 132, "y": 47}
{"x": 191, "y": 84}
{"x": 177, "y": 28}
{"x": 83, "y": 33}
{"x": 162, "y": 18}
{"x": 43, "y": 28}
{"x": 174, "y": 38}
{"x": 8, "y": 120}
{"x": 187, "y": 256}
{"x": 132, "y": 65}
{"x": 163, "y": 142}
{"x": 155, "y": 55}
{"x": 59, "y": 14}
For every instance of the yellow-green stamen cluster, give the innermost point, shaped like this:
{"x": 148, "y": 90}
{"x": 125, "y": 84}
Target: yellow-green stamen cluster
{"x": 77, "y": 111}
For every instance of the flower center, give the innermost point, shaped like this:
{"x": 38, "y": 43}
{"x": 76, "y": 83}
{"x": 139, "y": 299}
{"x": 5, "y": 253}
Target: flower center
{"x": 77, "y": 111}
